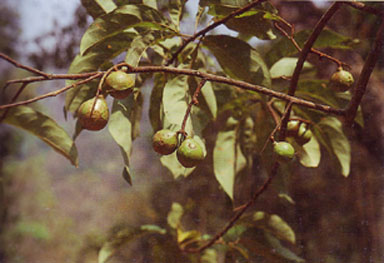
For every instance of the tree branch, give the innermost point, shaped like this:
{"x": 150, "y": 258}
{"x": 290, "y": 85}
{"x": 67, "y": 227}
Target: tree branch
{"x": 210, "y": 27}
{"x": 365, "y": 8}
{"x": 239, "y": 213}
{"x": 303, "y": 55}
{"x": 51, "y": 94}
{"x": 370, "y": 62}
{"x": 30, "y": 69}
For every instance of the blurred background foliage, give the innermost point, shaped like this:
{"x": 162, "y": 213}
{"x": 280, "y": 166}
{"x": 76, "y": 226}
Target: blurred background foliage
{"x": 53, "y": 212}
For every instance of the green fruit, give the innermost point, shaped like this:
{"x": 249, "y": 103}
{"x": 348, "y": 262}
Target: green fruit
{"x": 119, "y": 84}
{"x": 284, "y": 150}
{"x": 341, "y": 81}
{"x": 293, "y": 128}
{"x": 165, "y": 142}
{"x": 100, "y": 114}
{"x": 304, "y": 135}
{"x": 190, "y": 153}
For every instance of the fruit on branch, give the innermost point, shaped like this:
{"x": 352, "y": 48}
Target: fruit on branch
{"x": 164, "y": 141}
{"x": 304, "y": 134}
{"x": 293, "y": 128}
{"x": 190, "y": 153}
{"x": 95, "y": 119}
{"x": 120, "y": 84}
{"x": 284, "y": 150}
{"x": 341, "y": 80}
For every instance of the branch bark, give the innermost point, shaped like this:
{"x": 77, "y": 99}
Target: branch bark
{"x": 365, "y": 74}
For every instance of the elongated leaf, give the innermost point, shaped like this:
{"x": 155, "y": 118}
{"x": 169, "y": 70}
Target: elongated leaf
{"x": 310, "y": 153}
{"x": 155, "y": 103}
{"x": 121, "y": 127}
{"x": 210, "y": 98}
{"x": 121, "y": 19}
{"x": 45, "y": 128}
{"x": 227, "y": 159}
{"x": 175, "y": 103}
{"x": 327, "y": 38}
{"x": 275, "y": 225}
{"x": 317, "y": 90}
{"x": 173, "y": 165}
{"x": 238, "y": 59}
{"x": 97, "y": 8}
{"x": 209, "y": 256}
{"x": 339, "y": 143}
{"x": 174, "y": 216}
{"x": 281, "y": 250}
{"x": 175, "y": 8}
{"x": 122, "y": 237}
{"x": 286, "y": 66}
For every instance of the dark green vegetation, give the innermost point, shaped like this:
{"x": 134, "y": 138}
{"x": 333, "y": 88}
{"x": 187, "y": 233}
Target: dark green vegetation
{"x": 243, "y": 106}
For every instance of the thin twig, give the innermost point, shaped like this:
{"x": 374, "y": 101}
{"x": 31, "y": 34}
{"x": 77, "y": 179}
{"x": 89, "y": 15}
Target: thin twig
{"x": 20, "y": 90}
{"x": 365, "y": 74}
{"x": 365, "y": 8}
{"x": 303, "y": 55}
{"x": 50, "y": 94}
{"x": 239, "y": 212}
{"x": 210, "y": 27}
{"x": 209, "y": 77}
{"x": 30, "y": 69}
{"x": 193, "y": 101}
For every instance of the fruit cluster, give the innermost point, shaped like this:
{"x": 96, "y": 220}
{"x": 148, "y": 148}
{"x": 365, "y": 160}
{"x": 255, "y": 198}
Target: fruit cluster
{"x": 189, "y": 152}
{"x": 93, "y": 114}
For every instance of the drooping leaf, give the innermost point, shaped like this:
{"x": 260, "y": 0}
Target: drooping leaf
{"x": 175, "y": 103}
{"x": 121, "y": 19}
{"x": 155, "y": 104}
{"x": 45, "y": 128}
{"x": 238, "y": 59}
{"x": 286, "y": 66}
{"x": 123, "y": 236}
{"x": 185, "y": 238}
{"x": 228, "y": 159}
{"x": 121, "y": 127}
{"x": 174, "y": 216}
{"x": 33, "y": 229}
{"x": 339, "y": 143}
{"x": 234, "y": 233}
{"x": 175, "y": 8}
{"x": 209, "y": 256}
{"x": 97, "y": 8}
{"x": 327, "y": 38}
{"x": 310, "y": 154}
{"x": 275, "y": 225}
{"x": 281, "y": 250}
{"x": 317, "y": 90}
{"x": 173, "y": 165}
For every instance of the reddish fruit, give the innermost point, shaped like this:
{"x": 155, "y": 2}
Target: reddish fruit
{"x": 165, "y": 142}
{"x": 99, "y": 117}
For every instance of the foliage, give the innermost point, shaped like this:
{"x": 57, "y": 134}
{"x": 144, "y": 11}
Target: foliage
{"x": 235, "y": 125}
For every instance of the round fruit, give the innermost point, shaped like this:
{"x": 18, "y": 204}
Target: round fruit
{"x": 293, "y": 128}
{"x": 164, "y": 142}
{"x": 341, "y": 80}
{"x": 120, "y": 84}
{"x": 304, "y": 135}
{"x": 190, "y": 153}
{"x": 284, "y": 150}
{"x": 100, "y": 114}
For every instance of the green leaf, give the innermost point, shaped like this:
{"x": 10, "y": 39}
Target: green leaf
{"x": 210, "y": 98}
{"x": 310, "y": 153}
{"x": 97, "y": 8}
{"x": 33, "y": 229}
{"x": 234, "y": 233}
{"x": 45, "y": 128}
{"x": 317, "y": 90}
{"x": 175, "y": 103}
{"x": 187, "y": 237}
{"x": 155, "y": 103}
{"x": 127, "y": 175}
{"x": 286, "y": 66}
{"x": 174, "y": 216}
{"x": 121, "y": 19}
{"x": 327, "y": 39}
{"x": 122, "y": 237}
{"x": 339, "y": 143}
{"x": 275, "y": 225}
{"x": 121, "y": 126}
{"x": 175, "y": 8}
{"x": 281, "y": 250}
{"x": 238, "y": 59}
{"x": 209, "y": 256}
{"x": 228, "y": 159}
{"x": 153, "y": 228}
